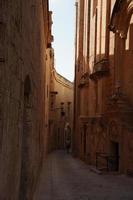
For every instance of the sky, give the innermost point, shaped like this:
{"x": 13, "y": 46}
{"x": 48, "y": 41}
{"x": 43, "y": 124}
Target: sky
{"x": 63, "y": 30}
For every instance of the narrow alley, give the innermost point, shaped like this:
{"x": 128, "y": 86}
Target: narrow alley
{"x": 66, "y": 178}
{"x": 66, "y": 83}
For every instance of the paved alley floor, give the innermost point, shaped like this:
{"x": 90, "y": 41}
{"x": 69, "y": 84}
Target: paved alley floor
{"x": 66, "y": 178}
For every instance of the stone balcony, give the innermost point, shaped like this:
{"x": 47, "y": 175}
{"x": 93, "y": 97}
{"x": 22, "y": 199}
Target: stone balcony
{"x": 84, "y": 81}
{"x": 100, "y": 69}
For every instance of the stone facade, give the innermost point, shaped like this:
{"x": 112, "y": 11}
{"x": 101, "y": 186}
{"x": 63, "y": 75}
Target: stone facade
{"x": 24, "y": 42}
{"x": 60, "y": 110}
{"x": 103, "y": 111}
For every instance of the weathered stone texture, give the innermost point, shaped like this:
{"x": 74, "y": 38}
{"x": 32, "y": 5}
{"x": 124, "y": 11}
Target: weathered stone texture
{"x": 23, "y": 43}
{"x": 103, "y": 82}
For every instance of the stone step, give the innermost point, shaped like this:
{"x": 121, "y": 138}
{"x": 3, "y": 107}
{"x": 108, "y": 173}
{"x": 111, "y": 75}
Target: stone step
{"x": 94, "y": 169}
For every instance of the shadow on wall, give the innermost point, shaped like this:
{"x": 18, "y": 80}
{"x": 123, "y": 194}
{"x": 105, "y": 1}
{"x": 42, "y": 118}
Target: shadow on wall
{"x": 26, "y": 176}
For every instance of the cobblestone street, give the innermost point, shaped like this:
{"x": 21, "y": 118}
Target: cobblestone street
{"x": 66, "y": 178}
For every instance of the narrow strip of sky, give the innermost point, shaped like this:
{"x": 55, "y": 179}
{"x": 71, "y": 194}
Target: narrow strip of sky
{"x": 63, "y": 31}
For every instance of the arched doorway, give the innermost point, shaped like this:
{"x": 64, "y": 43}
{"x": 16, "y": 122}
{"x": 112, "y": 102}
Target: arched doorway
{"x": 114, "y": 147}
{"x": 25, "y": 178}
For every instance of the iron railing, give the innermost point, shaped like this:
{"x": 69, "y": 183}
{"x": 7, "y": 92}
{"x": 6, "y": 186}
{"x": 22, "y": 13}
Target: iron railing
{"x": 107, "y": 162}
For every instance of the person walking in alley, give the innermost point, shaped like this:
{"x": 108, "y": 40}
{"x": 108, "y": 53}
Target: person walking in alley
{"x": 68, "y": 145}
{"x": 67, "y": 137}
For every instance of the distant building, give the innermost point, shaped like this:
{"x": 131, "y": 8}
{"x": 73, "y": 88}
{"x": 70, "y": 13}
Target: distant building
{"x": 103, "y": 117}
{"x": 61, "y": 110}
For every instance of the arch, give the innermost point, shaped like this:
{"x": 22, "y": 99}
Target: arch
{"x": 118, "y": 23}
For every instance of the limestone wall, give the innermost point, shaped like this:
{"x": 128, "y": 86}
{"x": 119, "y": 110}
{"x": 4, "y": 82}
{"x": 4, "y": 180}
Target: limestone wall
{"x": 103, "y": 81}
{"x": 23, "y": 42}
{"x": 61, "y": 108}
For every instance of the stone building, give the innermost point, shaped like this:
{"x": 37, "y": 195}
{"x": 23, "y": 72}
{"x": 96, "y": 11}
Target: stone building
{"x": 103, "y": 111}
{"x": 25, "y": 40}
{"x": 47, "y": 79}
{"x": 60, "y": 110}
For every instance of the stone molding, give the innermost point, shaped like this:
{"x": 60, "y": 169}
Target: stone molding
{"x": 100, "y": 69}
{"x": 62, "y": 80}
{"x": 84, "y": 81}
{"x": 118, "y": 23}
